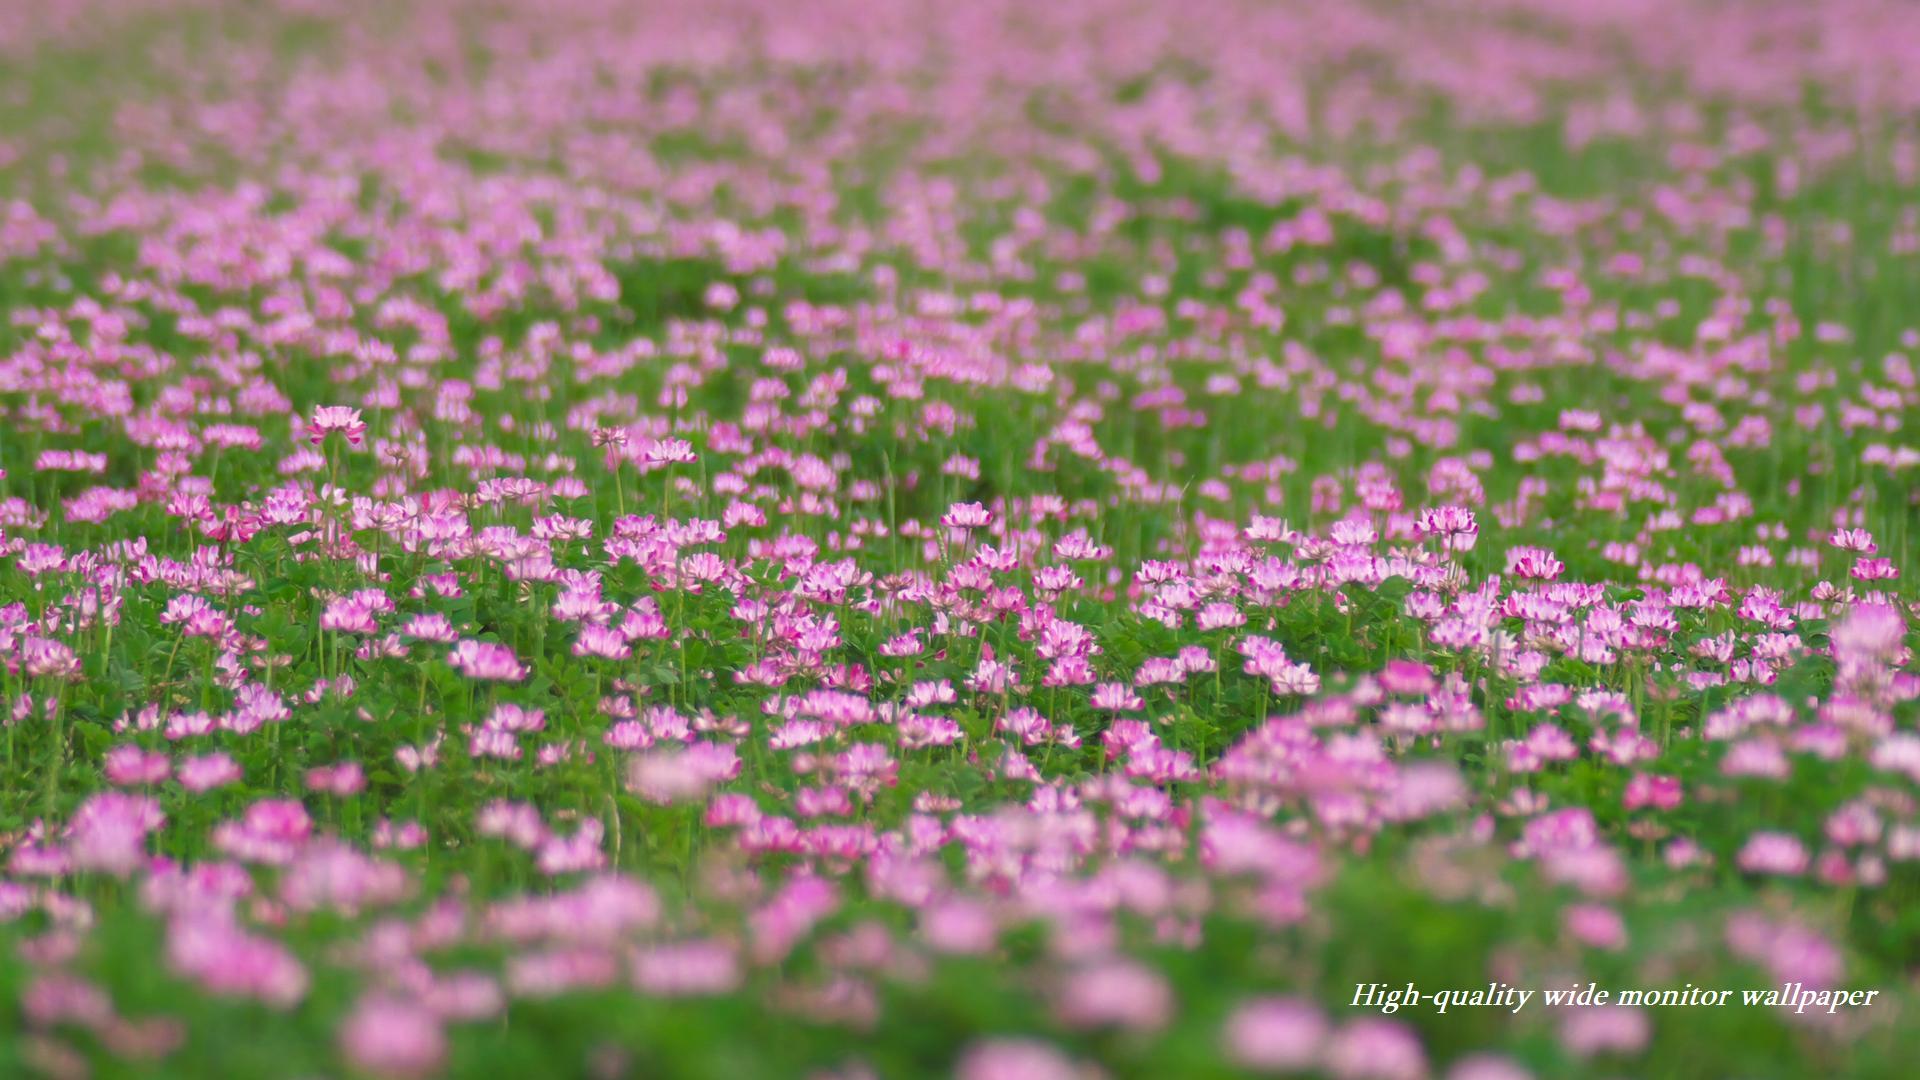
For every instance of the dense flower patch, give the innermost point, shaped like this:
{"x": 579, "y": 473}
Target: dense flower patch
{"x": 985, "y": 539}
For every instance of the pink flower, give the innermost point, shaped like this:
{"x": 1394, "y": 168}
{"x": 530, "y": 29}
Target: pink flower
{"x": 686, "y": 969}
{"x": 487, "y": 661}
{"x": 393, "y": 1037}
{"x": 109, "y": 832}
{"x": 959, "y": 926}
{"x": 1119, "y": 993}
{"x": 670, "y": 452}
{"x": 349, "y": 615}
{"x": 343, "y": 780}
{"x": 130, "y": 766}
{"x": 1647, "y": 789}
{"x": 1275, "y": 1034}
{"x": 328, "y": 419}
{"x": 1859, "y": 540}
{"x": 966, "y": 515}
{"x": 1015, "y": 1059}
{"x": 225, "y": 959}
{"x": 1371, "y": 1049}
{"x": 1532, "y": 562}
{"x": 601, "y": 641}
{"x": 1875, "y": 570}
{"x": 1596, "y": 926}
{"x": 46, "y": 658}
{"x": 670, "y": 776}
{"x": 208, "y": 771}
{"x": 1453, "y": 526}
{"x": 1773, "y": 853}
{"x": 1789, "y": 951}
{"x": 329, "y": 875}
{"x": 1487, "y": 1067}
{"x": 1599, "y": 1029}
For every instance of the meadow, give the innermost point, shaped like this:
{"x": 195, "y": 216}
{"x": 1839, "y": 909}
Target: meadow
{"x": 878, "y": 538}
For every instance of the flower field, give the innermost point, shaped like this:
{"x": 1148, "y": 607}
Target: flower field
{"x": 1013, "y": 541}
